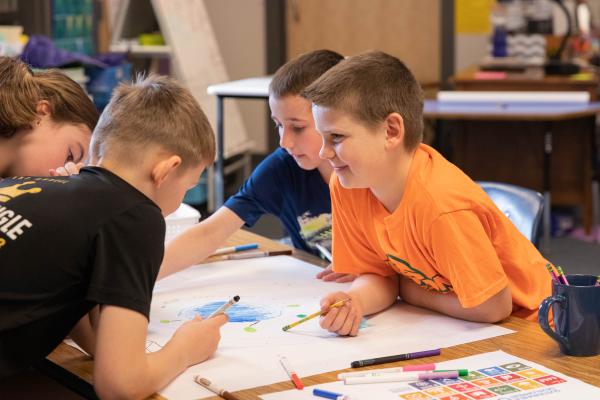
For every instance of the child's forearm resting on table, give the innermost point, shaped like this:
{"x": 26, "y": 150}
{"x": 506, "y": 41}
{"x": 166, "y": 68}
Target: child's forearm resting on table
{"x": 374, "y": 292}
{"x": 495, "y": 309}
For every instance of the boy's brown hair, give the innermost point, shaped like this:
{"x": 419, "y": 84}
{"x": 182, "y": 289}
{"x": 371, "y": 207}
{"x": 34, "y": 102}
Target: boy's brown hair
{"x": 21, "y": 89}
{"x": 297, "y": 74}
{"x": 154, "y": 111}
{"x": 369, "y": 87}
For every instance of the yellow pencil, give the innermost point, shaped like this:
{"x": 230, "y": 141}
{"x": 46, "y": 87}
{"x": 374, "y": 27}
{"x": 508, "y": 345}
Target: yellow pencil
{"x": 311, "y": 316}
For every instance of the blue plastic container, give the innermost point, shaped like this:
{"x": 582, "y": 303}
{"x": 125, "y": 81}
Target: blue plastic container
{"x": 102, "y": 81}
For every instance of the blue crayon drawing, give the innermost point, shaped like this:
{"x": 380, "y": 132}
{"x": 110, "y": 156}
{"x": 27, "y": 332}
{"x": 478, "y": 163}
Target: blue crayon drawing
{"x": 237, "y": 313}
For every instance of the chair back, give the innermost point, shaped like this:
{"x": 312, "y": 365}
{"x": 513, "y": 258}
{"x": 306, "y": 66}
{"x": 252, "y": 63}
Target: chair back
{"x": 522, "y": 206}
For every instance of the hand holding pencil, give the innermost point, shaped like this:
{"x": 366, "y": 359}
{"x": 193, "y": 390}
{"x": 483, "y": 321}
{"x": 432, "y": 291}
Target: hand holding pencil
{"x": 315, "y": 315}
{"x": 344, "y": 320}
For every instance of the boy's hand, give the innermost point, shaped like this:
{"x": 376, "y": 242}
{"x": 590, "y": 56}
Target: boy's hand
{"x": 344, "y": 320}
{"x": 200, "y": 337}
{"x": 328, "y": 275}
{"x": 69, "y": 169}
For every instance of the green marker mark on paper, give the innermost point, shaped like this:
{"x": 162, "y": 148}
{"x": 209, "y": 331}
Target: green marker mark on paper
{"x": 164, "y": 321}
{"x": 250, "y": 329}
{"x": 293, "y": 305}
{"x": 300, "y": 315}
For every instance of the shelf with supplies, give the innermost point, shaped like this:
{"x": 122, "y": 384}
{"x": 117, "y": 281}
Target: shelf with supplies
{"x": 137, "y": 49}
{"x": 196, "y": 59}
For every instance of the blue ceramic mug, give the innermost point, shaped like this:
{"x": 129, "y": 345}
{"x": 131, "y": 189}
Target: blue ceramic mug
{"x": 576, "y": 315}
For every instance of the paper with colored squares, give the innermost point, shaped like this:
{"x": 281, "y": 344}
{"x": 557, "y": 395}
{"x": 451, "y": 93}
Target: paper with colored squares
{"x": 495, "y": 376}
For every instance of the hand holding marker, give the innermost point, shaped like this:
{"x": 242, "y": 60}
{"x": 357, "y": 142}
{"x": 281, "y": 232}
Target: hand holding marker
{"x": 225, "y": 306}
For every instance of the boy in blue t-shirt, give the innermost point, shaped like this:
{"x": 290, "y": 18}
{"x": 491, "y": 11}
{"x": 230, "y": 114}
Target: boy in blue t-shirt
{"x": 291, "y": 183}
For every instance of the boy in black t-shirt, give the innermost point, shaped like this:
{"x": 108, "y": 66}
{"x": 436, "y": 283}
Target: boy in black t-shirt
{"x": 80, "y": 254}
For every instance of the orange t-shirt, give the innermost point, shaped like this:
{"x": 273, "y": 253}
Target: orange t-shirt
{"x": 446, "y": 235}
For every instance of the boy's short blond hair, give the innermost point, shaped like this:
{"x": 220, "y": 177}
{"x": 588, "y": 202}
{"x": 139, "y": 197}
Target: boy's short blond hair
{"x": 369, "y": 87}
{"x": 154, "y": 110}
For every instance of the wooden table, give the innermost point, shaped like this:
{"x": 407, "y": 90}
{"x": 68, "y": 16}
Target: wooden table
{"x": 529, "y": 342}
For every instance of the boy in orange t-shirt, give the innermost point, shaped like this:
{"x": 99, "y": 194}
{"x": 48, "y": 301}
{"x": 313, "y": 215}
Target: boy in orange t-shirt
{"x": 406, "y": 220}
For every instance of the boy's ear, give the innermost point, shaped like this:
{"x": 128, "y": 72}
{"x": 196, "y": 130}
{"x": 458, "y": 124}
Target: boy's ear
{"x": 164, "y": 168}
{"x": 394, "y": 127}
{"x": 43, "y": 108}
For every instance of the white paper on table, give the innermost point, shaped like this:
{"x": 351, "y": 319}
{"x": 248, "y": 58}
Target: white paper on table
{"x": 276, "y": 290}
{"x": 518, "y": 374}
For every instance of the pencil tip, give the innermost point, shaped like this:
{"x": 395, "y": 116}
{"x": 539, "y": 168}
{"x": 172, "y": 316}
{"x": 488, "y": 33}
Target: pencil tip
{"x": 279, "y": 252}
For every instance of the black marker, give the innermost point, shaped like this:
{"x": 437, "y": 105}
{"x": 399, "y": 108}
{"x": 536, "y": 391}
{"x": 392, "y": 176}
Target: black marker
{"x": 399, "y": 357}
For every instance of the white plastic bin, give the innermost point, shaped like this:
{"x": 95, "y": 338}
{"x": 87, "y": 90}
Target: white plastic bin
{"x": 182, "y": 219}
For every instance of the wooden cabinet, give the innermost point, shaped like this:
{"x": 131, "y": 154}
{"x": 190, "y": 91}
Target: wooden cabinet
{"x": 512, "y": 151}
{"x": 407, "y": 29}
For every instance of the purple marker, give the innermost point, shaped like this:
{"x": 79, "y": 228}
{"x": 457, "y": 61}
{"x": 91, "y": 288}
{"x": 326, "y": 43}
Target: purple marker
{"x": 399, "y": 357}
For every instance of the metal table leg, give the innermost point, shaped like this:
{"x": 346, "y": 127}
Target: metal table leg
{"x": 219, "y": 175}
{"x": 547, "y": 178}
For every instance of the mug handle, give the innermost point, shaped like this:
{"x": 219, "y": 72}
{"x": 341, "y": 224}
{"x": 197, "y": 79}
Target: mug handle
{"x": 543, "y": 318}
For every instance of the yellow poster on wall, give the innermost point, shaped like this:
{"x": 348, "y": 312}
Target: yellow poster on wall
{"x": 473, "y": 16}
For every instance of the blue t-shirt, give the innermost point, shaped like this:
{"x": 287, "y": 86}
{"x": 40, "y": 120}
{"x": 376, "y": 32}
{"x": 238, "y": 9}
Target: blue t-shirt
{"x": 299, "y": 198}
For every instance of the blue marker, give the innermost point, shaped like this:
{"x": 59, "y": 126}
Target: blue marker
{"x": 329, "y": 395}
{"x": 235, "y": 249}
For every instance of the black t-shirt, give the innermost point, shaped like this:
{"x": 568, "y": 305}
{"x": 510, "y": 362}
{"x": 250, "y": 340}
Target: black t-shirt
{"x": 67, "y": 244}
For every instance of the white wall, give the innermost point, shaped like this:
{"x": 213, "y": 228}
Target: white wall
{"x": 239, "y": 27}
{"x": 469, "y": 50}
